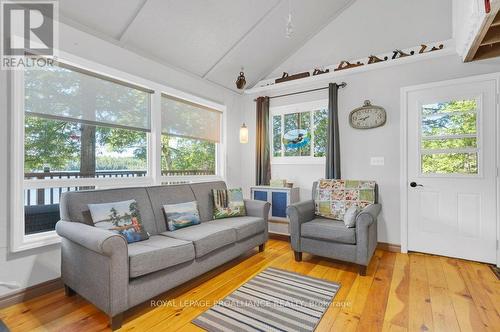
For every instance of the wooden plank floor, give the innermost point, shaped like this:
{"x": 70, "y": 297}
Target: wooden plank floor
{"x": 414, "y": 292}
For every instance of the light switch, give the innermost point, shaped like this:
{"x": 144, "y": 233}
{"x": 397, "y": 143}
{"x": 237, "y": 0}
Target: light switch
{"x": 377, "y": 161}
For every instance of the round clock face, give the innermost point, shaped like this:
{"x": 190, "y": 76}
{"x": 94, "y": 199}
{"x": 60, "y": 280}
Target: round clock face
{"x": 365, "y": 118}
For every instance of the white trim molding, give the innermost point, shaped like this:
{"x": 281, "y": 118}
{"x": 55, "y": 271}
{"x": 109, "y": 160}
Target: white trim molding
{"x": 19, "y": 241}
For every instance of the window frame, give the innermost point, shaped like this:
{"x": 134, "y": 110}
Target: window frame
{"x": 19, "y": 241}
{"x": 296, "y": 108}
{"x": 479, "y": 138}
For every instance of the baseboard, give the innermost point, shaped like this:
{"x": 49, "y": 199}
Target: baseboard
{"x": 31, "y": 292}
{"x": 281, "y": 237}
{"x": 389, "y": 247}
{"x": 381, "y": 245}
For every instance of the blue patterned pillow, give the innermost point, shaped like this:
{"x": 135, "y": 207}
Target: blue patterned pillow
{"x": 181, "y": 215}
{"x": 121, "y": 217}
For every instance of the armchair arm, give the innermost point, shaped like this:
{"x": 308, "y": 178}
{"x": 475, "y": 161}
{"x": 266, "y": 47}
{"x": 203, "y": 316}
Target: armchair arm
{"x": 101, "y": 241}
{"x": 368, "y": 215}
{"x": 257, "y": 208}
{"x": 299, "y": 213}
{"x": 366, "y": 233}
{"x": 94, "y": 263}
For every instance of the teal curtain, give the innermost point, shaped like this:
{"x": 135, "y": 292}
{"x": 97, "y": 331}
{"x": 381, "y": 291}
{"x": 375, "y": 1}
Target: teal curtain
{"x": 262, "y": 155}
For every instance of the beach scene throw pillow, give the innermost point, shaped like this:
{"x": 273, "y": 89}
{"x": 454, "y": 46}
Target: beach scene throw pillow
{"x": 181, "y": 215}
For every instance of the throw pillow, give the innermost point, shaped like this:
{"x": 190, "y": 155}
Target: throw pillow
{"x": 333, "y": 197}
{"x": 350, "y": 216}
{"x": 228, "y": 203}
{"x": 123, "y": 218}
{"x": 181, "y": 215}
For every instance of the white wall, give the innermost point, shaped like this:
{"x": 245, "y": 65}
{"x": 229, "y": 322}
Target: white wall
{"x": 35, "y": 266}
{"x": 382, "y": 87}
{"x": 373, "y": 27}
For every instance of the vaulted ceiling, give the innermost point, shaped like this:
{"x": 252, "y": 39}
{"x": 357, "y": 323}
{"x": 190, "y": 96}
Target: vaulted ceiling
{"x": 212, "y": 39}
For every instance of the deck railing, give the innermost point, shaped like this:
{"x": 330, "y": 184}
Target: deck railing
{"x": 51, "y": 195}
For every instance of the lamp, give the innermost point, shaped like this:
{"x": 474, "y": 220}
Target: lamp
{"x": 243, "y": 134}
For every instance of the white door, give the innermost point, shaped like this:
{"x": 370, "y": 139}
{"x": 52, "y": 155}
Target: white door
{"x": 451, "y": 160}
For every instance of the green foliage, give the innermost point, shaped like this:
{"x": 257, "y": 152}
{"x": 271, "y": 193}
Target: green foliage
{"x": 320, "y": 131}
{"x": 180, "y": 153}
{"x": 443, "y": 119}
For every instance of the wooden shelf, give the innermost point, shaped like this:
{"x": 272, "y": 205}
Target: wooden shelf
{"x": 261, "y": 87}
{"x": 487, "y": 51}
{"x": 492, "y": 36}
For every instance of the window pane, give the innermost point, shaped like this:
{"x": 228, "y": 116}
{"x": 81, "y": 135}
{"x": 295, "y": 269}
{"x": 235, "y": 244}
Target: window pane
{"x": 41, "y": 208}
{"x": 450, "y": 163}
{"x": 74, "y": 96}
{"x": 449, "y": 124}
{"x": 61, "y": 149}
{"x": 297, "y": 134}
{"x": 277, "y": 136}
{"x": 452, "y": 143}
{"x": 186, "y": 156}
{"x": 185, "y": 119}
{"x": 320, "y": 131}
{"x": 453, "y": 106}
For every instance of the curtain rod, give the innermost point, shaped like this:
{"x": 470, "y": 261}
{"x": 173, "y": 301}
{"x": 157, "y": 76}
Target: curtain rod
{"x": 341, "y": 85}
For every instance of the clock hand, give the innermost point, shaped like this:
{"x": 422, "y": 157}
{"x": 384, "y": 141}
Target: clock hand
{"x": 366, "y": 117}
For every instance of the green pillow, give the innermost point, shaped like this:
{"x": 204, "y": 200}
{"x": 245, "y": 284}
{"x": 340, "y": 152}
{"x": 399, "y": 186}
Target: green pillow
{"x": 228, "y": 203}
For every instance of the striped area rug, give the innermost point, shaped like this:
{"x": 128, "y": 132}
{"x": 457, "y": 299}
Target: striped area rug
{"x": 273, "y": 300}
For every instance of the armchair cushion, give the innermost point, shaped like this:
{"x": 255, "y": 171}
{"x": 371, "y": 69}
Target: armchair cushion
{"x": 157, "y": 253}
{"x": 328, "y": 230}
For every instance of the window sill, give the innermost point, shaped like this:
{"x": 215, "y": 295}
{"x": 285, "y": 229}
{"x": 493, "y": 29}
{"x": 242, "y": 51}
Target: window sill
{"x": 298, "y": 161}
{"x": 34, "y": 241}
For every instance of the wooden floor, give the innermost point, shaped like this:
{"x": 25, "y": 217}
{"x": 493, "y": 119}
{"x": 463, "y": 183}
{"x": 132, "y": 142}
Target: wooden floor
{"x": 401, "y": 292}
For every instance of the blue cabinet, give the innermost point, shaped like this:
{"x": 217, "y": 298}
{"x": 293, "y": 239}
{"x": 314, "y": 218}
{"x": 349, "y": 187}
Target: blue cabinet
{"x": 279, "y": 198}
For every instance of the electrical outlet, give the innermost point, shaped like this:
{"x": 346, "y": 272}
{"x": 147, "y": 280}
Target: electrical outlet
{"x": 377, "y": 161}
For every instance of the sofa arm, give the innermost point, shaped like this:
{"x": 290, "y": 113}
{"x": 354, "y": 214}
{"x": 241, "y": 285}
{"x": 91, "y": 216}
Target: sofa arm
{"x": 299, "y": 213}
{"x": 94, "y": 263}
{"x": 366, "y": 233}
{"x": 257, "y": 208}
{"x": 101, "y": 241}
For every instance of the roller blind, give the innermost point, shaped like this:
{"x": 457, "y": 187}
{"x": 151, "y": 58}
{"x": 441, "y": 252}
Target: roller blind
{"x": 70, "y": 94}
{"x": 185, "y": 119}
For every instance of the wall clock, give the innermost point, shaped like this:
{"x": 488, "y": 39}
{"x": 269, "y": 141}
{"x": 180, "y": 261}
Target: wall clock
{"x": 368, "y": 116}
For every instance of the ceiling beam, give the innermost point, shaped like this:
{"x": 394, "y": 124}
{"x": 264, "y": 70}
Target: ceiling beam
{"x": 242, "y": 38}
{"x": 122, "y": 38}
{"x": 276, "y": 65}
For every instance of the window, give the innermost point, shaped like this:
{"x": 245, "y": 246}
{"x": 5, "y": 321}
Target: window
{"x": 299, "y": 131}
{"x": 190, "y": 135}
{"x": 449, "y": 138}
{"x": 78, "y": 125}
{"x": 77, "y": 129}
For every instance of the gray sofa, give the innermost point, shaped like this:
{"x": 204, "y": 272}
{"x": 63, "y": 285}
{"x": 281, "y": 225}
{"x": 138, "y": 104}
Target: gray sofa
{"x": 99, "y": 265}
{"x": 331, "y": 238}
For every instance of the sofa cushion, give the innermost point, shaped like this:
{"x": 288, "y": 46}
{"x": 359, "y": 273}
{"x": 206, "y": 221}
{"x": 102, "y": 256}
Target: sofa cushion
{"x": 244, "y": 226}
{"x": 205, "y": 198}
{"x": 206, "y": 237}
{"x": 158, "y": 253}
{"x": 330, "y": 230}
{"x": 171, "y": 194}
{"x": 74, "y": 204}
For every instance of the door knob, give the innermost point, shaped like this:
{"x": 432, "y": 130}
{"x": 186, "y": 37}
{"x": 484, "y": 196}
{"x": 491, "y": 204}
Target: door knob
{"x": 414, "y": 184}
